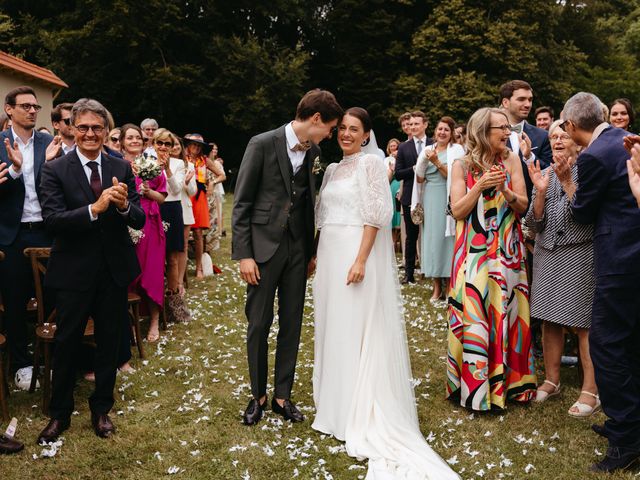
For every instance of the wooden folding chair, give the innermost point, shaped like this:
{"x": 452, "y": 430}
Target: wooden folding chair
{"x": 134, "y": 315}
{"x": 46, "y": 327}
{"x": 4, "y": 387}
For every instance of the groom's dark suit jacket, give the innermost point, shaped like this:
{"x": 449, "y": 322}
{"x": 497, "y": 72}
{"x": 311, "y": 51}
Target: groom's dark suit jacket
{"x": 81, "y": 246}
{"x": 263, "y": 198}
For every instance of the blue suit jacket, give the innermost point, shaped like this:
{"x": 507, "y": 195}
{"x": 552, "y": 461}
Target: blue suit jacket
{"x": 12, "y": 191}
{"x": 405, "y": 161}
{"x": 540, "y": 144}
{"x": 604, "y": 198}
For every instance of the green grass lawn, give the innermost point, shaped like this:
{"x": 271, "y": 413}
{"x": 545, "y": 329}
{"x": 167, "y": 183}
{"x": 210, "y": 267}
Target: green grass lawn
{"x": 179, "y": 414}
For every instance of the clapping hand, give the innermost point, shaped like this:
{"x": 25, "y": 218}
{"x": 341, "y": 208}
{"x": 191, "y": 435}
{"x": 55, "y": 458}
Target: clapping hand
{"x": 3, "y": 172}
{"x": 119, "y": 193}
{"x": 493, "y": 178}
{"x": 14, "y": 154}
{"x": 190, "y": 174}
{"x": 539, "y": 179}
{"x": 525, "y": 145}
{"x": 629, "y": 141}
{"x": 633, "y": 171}
{"x": 561, "y": 167}
{"x": 53, "y": 149}
{"x": 163, "y": 159}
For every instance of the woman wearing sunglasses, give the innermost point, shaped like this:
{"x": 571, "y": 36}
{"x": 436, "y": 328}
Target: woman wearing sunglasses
{"x": 171, "y": 211}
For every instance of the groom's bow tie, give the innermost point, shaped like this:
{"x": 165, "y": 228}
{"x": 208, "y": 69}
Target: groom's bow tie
{"x": 517, "y": 128}
{"x": 302, "y": 147}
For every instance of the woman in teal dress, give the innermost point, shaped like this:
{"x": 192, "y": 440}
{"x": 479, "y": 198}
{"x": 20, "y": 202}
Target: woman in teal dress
{"x": 390, "y": 161}
{"x": 432, "y": 171}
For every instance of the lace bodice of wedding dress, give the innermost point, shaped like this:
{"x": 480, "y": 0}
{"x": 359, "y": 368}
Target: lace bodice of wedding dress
{"x": 355, "y": 192}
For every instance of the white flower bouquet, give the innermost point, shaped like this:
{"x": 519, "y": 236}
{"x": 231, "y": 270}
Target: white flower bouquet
{"x": 146, "y": 167}
{"x": 135, "y": 235}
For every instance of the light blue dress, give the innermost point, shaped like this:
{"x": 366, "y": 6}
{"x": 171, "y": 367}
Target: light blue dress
{"x": 437, "y": 250}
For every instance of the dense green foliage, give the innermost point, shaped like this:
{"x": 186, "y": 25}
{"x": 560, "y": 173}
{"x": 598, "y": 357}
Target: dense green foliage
{"x": 231, "y": 69}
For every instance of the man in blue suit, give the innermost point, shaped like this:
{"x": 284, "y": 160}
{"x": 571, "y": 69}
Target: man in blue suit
{"x": 529, "y": 142}
{"x": 23, "y": 152}
{"x": 405, "y": 161}
{"x": 603, "y": 197}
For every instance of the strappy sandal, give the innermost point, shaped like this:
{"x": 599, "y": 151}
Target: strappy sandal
{"x": 584, "y": 409}
{"x": 542, "y": 396}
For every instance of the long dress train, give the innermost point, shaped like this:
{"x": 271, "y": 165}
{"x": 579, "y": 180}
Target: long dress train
{"x": 362, "y": 375}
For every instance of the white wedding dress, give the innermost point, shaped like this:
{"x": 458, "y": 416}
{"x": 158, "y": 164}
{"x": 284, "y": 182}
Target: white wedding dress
{"x": 361, "y": 376}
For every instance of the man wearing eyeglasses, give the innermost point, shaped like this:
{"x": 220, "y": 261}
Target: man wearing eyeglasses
{"x": 89, "y": 199}
{"x": 61, "y": 121}
{"x": 22, "y": 151}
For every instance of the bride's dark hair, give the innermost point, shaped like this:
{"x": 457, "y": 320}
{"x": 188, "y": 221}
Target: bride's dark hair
{"x": 362, "y": 115}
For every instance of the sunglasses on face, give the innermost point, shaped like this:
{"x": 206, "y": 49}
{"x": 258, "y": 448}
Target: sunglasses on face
{"x": 67, "y": 121}
{"x": 160, "y": 143}
{"x": 114, "y": 139}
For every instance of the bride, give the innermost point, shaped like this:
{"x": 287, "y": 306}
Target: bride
{"x": 361, "y": 376}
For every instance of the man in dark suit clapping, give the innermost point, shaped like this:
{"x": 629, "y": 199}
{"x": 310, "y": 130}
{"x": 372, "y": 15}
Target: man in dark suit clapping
{"x": 22, "y": 155}
{"x": 603, "y": 197}
{"x": 88, "y": 201}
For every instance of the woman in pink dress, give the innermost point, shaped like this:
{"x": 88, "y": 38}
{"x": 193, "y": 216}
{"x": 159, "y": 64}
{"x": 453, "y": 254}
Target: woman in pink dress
{"x": 152, "y": 246}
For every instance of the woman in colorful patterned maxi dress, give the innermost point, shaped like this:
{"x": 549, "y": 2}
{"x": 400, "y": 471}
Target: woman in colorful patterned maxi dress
{"x": 489, "y": 357}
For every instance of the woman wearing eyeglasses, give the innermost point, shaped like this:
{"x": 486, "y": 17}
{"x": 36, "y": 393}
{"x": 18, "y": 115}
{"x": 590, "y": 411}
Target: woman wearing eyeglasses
{"x": 489, "y": 357}
{"x": 151, "y": 247}
{"x": 171, "y": 209}
{"x": 563, "y": 282}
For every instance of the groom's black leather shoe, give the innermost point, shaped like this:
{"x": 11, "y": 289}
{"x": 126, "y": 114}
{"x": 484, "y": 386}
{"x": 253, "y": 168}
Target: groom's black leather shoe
{"x": 288, "y": 410}
{"x": 253, "y": 413}
{"x": 617, "y": 459}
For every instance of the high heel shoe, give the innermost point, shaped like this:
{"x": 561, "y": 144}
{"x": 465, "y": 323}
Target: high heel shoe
{"x": 584, "y": 409}
{"x": 542, "y": 396}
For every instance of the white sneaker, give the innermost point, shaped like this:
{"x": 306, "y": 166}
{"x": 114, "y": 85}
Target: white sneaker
{"x": 23, "y": 378}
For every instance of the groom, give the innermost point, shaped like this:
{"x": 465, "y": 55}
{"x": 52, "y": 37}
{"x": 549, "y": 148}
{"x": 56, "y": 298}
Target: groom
{"x": 273, "y": 231}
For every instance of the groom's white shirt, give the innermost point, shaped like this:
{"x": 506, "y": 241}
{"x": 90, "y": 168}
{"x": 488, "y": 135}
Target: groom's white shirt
{"x": 296, "y": 158}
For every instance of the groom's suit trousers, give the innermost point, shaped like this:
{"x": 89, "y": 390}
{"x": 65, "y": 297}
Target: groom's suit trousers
{"x": 285, "y": 273}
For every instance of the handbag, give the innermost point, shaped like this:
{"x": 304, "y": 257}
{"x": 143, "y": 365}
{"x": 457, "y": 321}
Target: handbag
{"x": 417, "y": 211}
{"x": 417, "y": 214}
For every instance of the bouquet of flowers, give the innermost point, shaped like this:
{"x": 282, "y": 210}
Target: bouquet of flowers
{"x": 135, "y": 235}
{"x": 146, "y": 167}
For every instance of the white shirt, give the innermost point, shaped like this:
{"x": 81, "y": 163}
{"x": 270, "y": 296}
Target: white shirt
{"x": 514, "y": 139}
{"x": 31, "y": 210}
{"x": 66, "y": 148}
{"x": 424, "y": 143}
{"x": 296, "y": 158}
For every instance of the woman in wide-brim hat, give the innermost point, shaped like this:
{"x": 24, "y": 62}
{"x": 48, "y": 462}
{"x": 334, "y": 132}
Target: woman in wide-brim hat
{"x": 195, "y": 151}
